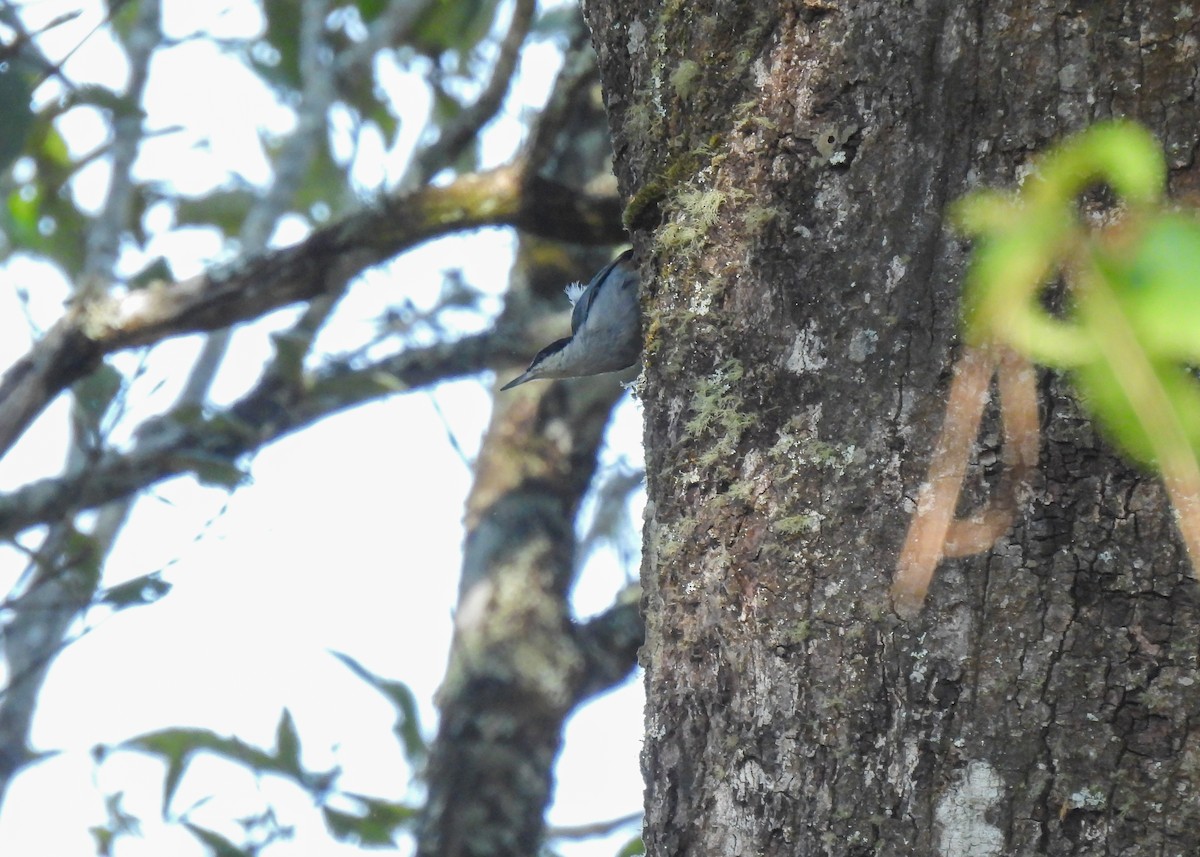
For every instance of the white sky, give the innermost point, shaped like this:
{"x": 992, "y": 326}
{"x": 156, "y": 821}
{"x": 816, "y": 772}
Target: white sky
{"x": 348, "y": 538}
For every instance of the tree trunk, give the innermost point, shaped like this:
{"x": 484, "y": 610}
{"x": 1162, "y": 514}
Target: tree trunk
{"x": 520, "y": 664}
{"x": 789, "y": 167}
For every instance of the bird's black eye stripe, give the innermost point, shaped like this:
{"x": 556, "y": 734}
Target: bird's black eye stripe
{"x": 556, "y": 345}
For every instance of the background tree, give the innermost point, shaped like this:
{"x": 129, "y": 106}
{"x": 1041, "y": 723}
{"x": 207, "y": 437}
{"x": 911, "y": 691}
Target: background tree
{"x": 313, "y": 234}
{"x": 790, "y": 166}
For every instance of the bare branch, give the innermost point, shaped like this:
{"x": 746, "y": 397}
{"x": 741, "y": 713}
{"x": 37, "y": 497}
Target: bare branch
{"x": 322, "y": 264}
{"x": 459, "y": 134}
{"x": 596, "y": 828}
{"x": 65, "y": 575}
{"x": 549, "y": 129}
{"x": 609, "y": 644}
{"x": 186, "y": 442}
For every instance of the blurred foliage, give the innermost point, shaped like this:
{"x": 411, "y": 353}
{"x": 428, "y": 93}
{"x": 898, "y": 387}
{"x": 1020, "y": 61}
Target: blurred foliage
{"x": 452, "y": 26}
{"x": 177, "y": 747}
{"x": 144, "y": 589}
{"x": 16, "y": 89}
{"x": 351, "y": 817}
{"x": 93, "y": 398}
{"x": 1129, "y": 333}
{"x": 442, "y": 46}
{"x": 119, "y": 823}
{"x": 633, "y": 848}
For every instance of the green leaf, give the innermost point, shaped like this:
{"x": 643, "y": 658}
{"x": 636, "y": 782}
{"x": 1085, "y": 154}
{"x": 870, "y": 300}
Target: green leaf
{"x": 633, "y": 848}
{"x": 1131, "y": 333}
{"x": 1158, "y": 285}
{"x": 324, "y": 184}
{"x": 1024, "y": 239}
{"x": 141, "y": 590}
{"x": 215, "y": 470}
{"x": 1117, "y": 400}
{"x": 177, "y": 746}
{"x": 95, "y": 393}
{"x": 446, "y": 108}
{"x": 386, "y": 121}
{"x": 282, "y": 34}
{"x": 23, "y": 210}
{"x": 37, "y": 219}
{"x": 368, "y": 10}
{"x": 15, "y": 92}
{"x": 375, "y": 826}
{"x": 218, "y": 844}
{"x": 1122, "y": 154}
{"x": 225, "y": 209}
{"x": 287, "y": 745}
{"x": 104, "y": 838}
{"x": 290, "y": 349}
{"x": 120, "y": 823}
{"x": 81, "y": 553}
{"x": 55, "y": 166}
{"x": 122, "y": 14}
{"x": 408, "y": 724}
{"x": 453, "y": 25}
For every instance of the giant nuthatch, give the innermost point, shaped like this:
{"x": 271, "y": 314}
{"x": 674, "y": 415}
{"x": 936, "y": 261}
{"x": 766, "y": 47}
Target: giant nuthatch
{"x": 606, "y": 327}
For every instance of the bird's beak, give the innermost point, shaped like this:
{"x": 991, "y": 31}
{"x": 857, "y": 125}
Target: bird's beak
{"x": 520, "y": 379}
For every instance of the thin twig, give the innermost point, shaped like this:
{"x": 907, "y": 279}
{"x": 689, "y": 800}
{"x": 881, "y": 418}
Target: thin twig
{"x": 172, "y": 446}
{"x": 457, "y": 135}
{"x": 592, "y": 829}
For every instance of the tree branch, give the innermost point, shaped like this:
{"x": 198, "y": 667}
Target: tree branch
{"x": 321, "y": 264}
{"x": 65, "y": 572}
{"x": 596, "y": 828}
{"x": 186, "y": 442}
{"x": 459, "y": 133}
{"x": 609, "y": 644}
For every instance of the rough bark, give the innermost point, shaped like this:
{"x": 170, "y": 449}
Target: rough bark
{"x": 789, "y": 166}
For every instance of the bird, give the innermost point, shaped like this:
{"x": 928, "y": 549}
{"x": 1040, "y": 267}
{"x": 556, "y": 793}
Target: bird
{"x": 606, "y": 327}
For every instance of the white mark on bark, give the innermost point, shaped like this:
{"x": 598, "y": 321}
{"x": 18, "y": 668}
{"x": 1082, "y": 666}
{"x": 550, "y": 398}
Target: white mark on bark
{"x": 807, "y": 351}
{"x": 762, "y": 75}
{"x": 897, "y": 268}
{"x": 473, "y": 607}
{"x": 961, "y": 814}
{"x": 637, "y": 38}
{"x": 862, "y": 345}
{"x": 917, "y": 674}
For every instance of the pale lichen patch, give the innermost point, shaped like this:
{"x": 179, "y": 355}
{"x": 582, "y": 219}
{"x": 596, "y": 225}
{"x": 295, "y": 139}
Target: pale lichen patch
{"x": 962, "y": 814}
{"x": 808, "y": 351}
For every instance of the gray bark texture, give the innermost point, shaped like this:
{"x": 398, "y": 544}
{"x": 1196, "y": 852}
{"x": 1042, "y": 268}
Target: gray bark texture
{"x": 789, "y": 165}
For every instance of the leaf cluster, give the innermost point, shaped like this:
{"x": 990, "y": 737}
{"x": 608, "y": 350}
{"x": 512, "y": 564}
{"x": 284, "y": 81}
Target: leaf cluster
{"x": 351, "y": 817}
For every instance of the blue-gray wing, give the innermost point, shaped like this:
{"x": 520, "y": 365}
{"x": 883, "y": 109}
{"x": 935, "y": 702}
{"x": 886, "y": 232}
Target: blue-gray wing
{"x": 584, "y": 305}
